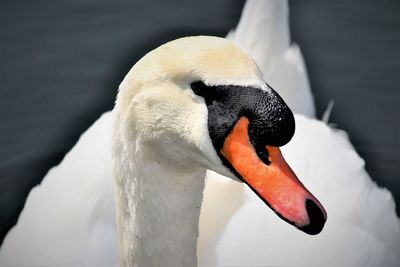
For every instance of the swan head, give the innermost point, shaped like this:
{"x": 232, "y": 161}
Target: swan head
{"x": 201, "y": 102}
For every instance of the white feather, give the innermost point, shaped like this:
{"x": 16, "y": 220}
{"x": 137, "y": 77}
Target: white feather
{"x": 263, "y": 31}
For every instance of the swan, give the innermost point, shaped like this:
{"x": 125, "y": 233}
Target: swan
{"x": 66, "y": 224}
{"x": 181, "y": 110}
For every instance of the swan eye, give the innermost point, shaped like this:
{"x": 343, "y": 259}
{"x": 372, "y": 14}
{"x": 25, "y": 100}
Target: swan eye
{"x": 197, "y": 87}
{"x": 209, "y": 93}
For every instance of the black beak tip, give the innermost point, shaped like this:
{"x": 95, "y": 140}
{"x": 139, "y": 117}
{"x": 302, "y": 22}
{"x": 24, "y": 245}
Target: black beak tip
{"x": 317, "y": 219}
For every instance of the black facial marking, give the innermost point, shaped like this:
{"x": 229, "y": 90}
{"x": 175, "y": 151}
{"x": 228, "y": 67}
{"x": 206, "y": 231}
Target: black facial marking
{"x": 271, "y": 120}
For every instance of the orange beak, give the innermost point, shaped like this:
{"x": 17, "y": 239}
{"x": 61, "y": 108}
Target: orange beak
{"x": 275, "y": 183}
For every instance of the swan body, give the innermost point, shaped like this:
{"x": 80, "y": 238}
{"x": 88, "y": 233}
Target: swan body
{"x": 362, "y": 228}
{"x": 66, "y": 224}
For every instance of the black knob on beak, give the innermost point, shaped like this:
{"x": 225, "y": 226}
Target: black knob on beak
{"x": 271, "y": 120}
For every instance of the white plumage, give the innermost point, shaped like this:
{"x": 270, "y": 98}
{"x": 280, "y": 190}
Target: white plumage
{"x": 66, "y": 224}
{"x": 263, "y": 31}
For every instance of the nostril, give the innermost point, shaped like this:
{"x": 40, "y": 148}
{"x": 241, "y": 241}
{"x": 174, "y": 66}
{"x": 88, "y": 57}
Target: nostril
{"x": 263, "y": 154}
{"x": 316, "y": 217}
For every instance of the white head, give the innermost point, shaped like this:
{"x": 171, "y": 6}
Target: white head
{"x": 157, "y": 105}
{"x": 201, "y": 102}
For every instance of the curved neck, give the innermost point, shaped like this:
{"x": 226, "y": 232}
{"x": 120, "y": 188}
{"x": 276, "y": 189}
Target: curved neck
{"x": 158, "y": 211}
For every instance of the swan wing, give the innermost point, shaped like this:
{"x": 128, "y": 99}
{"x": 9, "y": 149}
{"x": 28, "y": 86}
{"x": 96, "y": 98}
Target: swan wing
{"x": 69, "y": 219}
{"x": 263, "y": 31}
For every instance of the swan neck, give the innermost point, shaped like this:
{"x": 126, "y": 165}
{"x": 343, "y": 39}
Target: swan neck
{"x": 158, "y": 212}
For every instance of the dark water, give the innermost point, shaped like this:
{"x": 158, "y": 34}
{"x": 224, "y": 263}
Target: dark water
{"x": 62, "y": 61}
